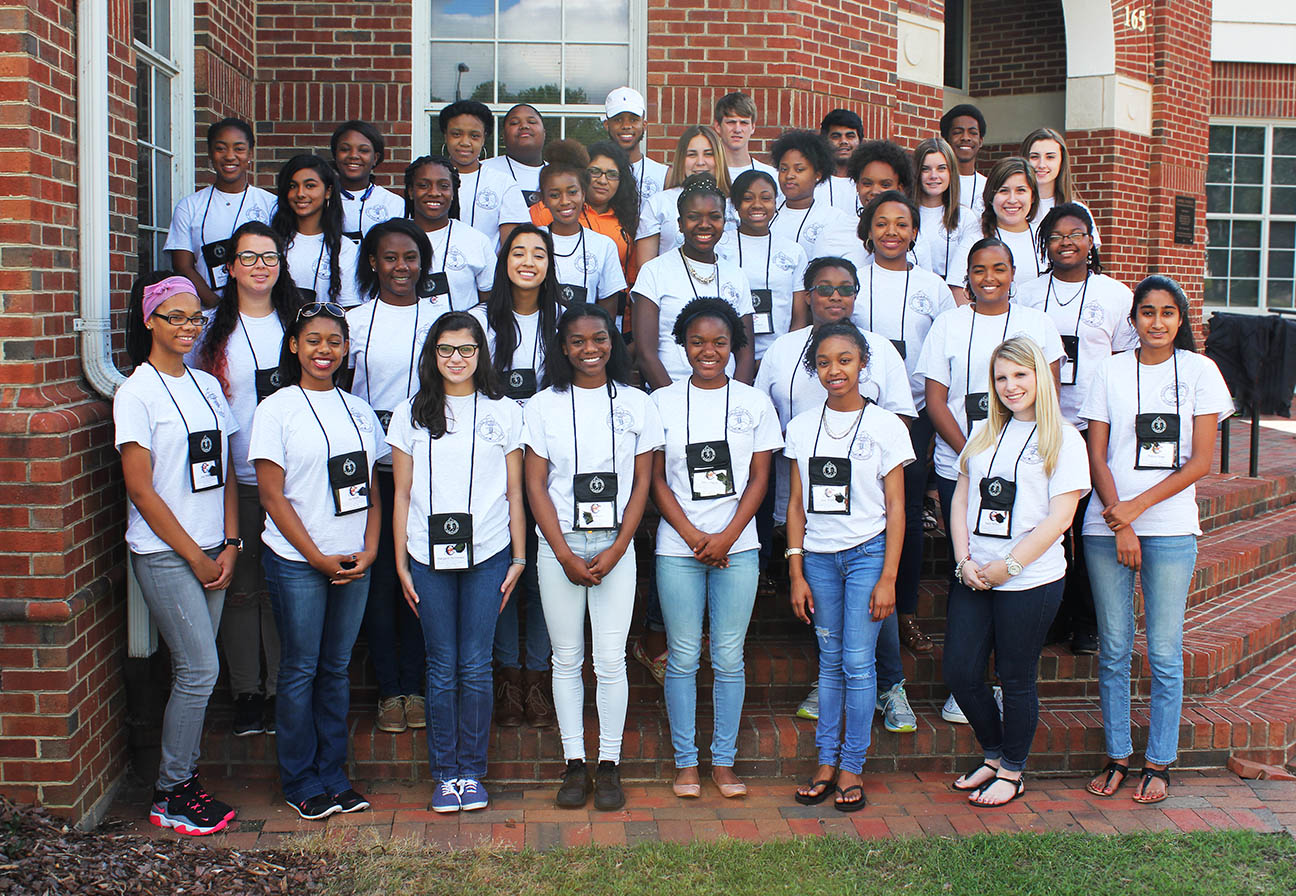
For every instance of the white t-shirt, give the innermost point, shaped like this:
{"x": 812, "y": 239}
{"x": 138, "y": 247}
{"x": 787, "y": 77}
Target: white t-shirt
{"x": 629, "y": 420}
{"x": 753, "y": 165}
{"x": 861, "y": 258}
{"x": 1027, "y": 265}
{"x": 455, "y": 457}
{"x": 467, "y": 258}
{"x": 939, "y": 244}
{"x": 210, "y": 216}
{"x": 488, "y": 198}
{"x": 387, "y": 376}
{"x": 956, "y": 353}
{"x": 879, "y": 446}
{"x": 287, "y": 433}
{"x": 143, "y": 413}
{"x": 972, "y": 191}
{"x": 1031, "y": 504}
{"x": 308, "y": 262}
{"x": 255, "y": 342}
{"x": 650, "y": 176}
{"x": 529, "y": 352}
{"x": 659, "y": 215}
{"x": 1046, "y": 204}
{"x": 1102, "y": 327}
{"x": 688, "y": 413}
{"x": 820, "y": 229}
{"x": 371, "y": 206}
{"x": 794, "y": 390}
{"x": 840, "y": 193}
{"x": 527, "y": 177}
{"x": 902, "y": 305}
{"x": 589, "y": 259}
{"x": 772, "y": 263}
{"x": 666, "y": 282}
{"x": 1120, "y": 390}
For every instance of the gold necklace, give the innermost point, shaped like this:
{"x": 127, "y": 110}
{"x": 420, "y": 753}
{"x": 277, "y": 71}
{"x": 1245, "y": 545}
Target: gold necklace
{"x": 695, "y": 275}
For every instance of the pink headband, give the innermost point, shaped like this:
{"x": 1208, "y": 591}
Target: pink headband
{"x": 159, "y": 292}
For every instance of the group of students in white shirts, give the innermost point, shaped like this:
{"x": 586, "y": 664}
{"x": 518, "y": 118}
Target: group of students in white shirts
{"x": 460, "y": 437}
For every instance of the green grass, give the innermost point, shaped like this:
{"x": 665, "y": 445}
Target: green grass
{"x": 1210, "y": 864}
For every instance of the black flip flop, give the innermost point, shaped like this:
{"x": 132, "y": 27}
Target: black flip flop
{"x": 1111, "y": 770}
{"x": 814, "y": 799}
{"x": 1021, "y": 789}
{"x": 1146, "y": 776}
{"x": 850, "y": 805}
{"x": 954, "y": 785}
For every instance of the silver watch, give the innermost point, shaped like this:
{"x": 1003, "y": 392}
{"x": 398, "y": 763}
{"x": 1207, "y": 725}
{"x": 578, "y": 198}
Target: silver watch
{"x": 1014, "y": 568}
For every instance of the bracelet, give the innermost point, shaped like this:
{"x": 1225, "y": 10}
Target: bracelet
{"x": 518, "y": 561}
{"x": 958, "y": 567}
{"x": 793, "y": 552}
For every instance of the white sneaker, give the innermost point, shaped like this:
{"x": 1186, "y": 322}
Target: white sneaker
{"x": 809, "y": 708}
{"x": 950, "y": 712}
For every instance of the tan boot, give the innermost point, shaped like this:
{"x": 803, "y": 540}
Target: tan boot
{"x": 508, "y": 698}
{"x": 539, "y": 700}
{"x": 391, "y": 715}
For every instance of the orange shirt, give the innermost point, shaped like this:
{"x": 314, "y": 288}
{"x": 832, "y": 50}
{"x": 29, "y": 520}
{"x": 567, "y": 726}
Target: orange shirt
{"x": 605, "y": 224}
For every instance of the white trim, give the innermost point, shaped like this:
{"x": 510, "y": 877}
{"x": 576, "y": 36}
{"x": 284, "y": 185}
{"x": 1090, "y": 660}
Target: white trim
{"x": 420, "y": 78}
{"x": 182, "y": 97}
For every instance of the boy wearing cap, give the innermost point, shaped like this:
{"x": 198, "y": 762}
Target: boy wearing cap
{"x": 624, "y": 116}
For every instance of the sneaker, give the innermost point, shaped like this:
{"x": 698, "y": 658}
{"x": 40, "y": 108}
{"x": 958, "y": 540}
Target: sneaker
{"x": 576, "y": 785}
{"x": 270, "y": 727}
{"x": 930, "y": 514}
{"x": 350, "y": 801}
{"x": 248, "y": 712}
{"x": 509, "y": 711}
{"x": 950, "y": 712}
{"x": 608, "y": 795}
{"x": 1084, "y": 644}
{"x": 472, "y": 795}
{"x": 657, "y": 666}
{"x": 415, "y": 711}
{"x": 809, "y": 708}
{"x": 223, "y": 809}
{"x": 897, "y": 715}
{"x": 185, "y": 813}
{"x": 391, "y": 715}
{"x": 315, "y": 808}
{"x": 445, "y": 798}
{"x": 539, "y": 699}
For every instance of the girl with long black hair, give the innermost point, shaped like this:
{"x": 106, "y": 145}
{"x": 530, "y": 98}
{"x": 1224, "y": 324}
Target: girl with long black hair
{"x": 309, "y": 219}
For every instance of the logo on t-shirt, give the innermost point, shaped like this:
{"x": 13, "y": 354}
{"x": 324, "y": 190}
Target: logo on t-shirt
{"x": 729, "y": 293}
{"x": 455, "y": 260}
{"x": 1168, "y": 393}
{"x": 1032, "y": 456}
{"x": 488, "y": 199}
{"x": 864, "y": 447}
{"x": 258, "y": 214}
{"x": 1092, "y": 316}
{"x": 740, "y": 420}
{"x": 921, "y": 303}
{"x": 489, "y": 430}
{"x": 648, "y": 187}
{"x": 621, "y": 420}
{"x": 812, "y": 232}
{"x": 784, "y": 262}
{"x": 362, "y": 421}
{"x": 211, "y": 396}
{"x": 584, "y": 262}
{"x": 375, "y": 213}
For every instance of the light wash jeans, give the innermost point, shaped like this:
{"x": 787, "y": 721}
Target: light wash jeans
{"x": 610, "y": 606}
{"x": 1167, "y": 569}
{"x": 841, "y": 585}
{"x": 691, "y": 590}
{"x": 188, "y": 618}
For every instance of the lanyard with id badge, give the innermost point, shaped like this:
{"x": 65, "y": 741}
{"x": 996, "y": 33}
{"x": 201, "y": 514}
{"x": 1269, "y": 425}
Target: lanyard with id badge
{"x": 830, "y": 477}
{"x": 520, "y": 382}
{"x": 1070, "y": 344}
{"x": 216, "y": 254}
{"x": 206, "y": 469}
{"x": 266, "y": 378}
{"x": 710, "y": 468}
{"x": 384, "y": 417}
{"x": 436, "y": 284}
{"x": 899, "y": 344}
{"x": 310, "y": 295}
{"x": 348, "y": 473}
{"x": 571, "y": 293}
{"x": 594, "y": 495}
{"x": 531, "y": 197}
{"x": 450, "y": 535}
{"x": 357, "y": 236}
{"x": 976, "y": 405}
{"x": 1156, "y": 434}
{"x": 994, "y": 516}
{"x": 762, "y": 299}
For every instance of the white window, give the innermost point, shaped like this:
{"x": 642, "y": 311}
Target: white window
{"x": 561, "y": 56}
{"x": 163, "y": 32}
{"x": 1251, "y": 215}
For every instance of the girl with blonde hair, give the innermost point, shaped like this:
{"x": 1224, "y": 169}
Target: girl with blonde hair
{"x": 699, "y": 151}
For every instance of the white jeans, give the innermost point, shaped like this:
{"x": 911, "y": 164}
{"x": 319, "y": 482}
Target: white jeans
{"x": 611, "y": 606}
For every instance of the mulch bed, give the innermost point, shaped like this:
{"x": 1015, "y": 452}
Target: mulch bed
{"x": 41, "y": 856}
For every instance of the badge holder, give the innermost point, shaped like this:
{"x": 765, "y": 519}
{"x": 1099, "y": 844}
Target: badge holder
{"x": 1070, "y": 360}
{"x": 354, "y": 236}
{"x": 384, "y": 419}
{"x": 215, "y": 256}
{"x": 1158, "y": 442}
{"x": 531, "y": 197}
{"x": 267, "y": 383}
{"x": 450, "y": 538}
{"x": 573, "y": 295}
{"x": 830, "y": 485}
{"x": 976, "y": 406}
{"x": 205, "y": 470}
{"x": 349, "y": 482}
{"x": 520, "y": 384}
{"x": 710, "y": 470}
{"x": 595, "y": 497}
{"x": 762, "y": 311}
{"x": 308, "y": 295}
{"x": 902, "y": 348}
{"x": 994, "y": 517}
{"x": 434, "y": 285}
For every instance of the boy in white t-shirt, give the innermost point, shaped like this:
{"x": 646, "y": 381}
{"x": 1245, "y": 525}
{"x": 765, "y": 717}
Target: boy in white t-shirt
{"x": 625, "y": 117}
{"x": 735, "y": 120}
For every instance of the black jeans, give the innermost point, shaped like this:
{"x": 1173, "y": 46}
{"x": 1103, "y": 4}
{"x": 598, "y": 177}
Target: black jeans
{"x": 1077, "y": 616}
{"x": 392, "y": 629}
{"x": 909, "y": 575}
{"x": 1012, "y": 624}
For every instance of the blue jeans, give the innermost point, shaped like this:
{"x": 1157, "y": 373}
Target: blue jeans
{"x": 457, "y": 611}
{"x": 318, "y": 623}
{"x": 1013, "y": 625}
{"x": 1167, "y": 569}
{"x": 842, "y": 584}
{"x": 507, "y": 652}
{"x": 392, "y": 630}
{"x": 691, "y": 590}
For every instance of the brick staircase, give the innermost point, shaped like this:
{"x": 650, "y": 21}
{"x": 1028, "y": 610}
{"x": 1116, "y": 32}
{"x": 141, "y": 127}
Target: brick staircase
{"x": 1239, "y": 655}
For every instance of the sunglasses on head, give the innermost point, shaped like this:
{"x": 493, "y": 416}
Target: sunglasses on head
{"x": 332, "y": 309}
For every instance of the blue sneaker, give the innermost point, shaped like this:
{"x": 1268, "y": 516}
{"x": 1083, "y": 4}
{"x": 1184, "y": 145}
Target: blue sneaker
{"x": 446, "y": 797}
{"x": 472, "y": 795}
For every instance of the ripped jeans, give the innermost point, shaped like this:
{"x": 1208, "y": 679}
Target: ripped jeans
{"x": 842, "y": 585}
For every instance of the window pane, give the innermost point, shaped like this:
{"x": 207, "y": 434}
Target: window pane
{"x": 1244, "y": 263}
{"x": 1246, "y": 233}
{"x": 1244, "y": 292}
{"x": 1221, "y": 138}
{"x": 592, "y": 71}
{"x": 585, "y": 130}
{"x": 1217, "y": 233}
{"x": 1250, "y": 141}
{"x": 1215, "y": 291}
{"x": 1217, "y": 263}
{"x": 1219, "y": 170}
{"x": 162, "y": 27}
{"x": 605, "y": 20}
{"x": 1278, "y": 293}
{"x": 534, "y": 19}
{"x": 476, "y": 83}
{"x": 463, "y": 18}
{"x": 1246, "y": 200}
{"x": 1283, "y": 170}
{"x": 1217, "y": 200}
{"x": 143, "y": 101}
{"x": 164, "y": 166}
{"x": 1285, "y": 141}
{"x": 1248, "y": 170}
{"x": 1282, "y": 201}
{"x": 1280, "y": 263}
{"x": 145, "y": 185}
{"x": 1282, "y": 234}
{"x": 529, "y": 73}
{"x": 161, "y": 110}
{"x": 140, "y": 20}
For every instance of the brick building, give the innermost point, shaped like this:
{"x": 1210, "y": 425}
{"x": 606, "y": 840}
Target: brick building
{"x": 103, "y": 104}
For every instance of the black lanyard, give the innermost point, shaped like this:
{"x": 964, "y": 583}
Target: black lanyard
{"x": 796, "y": 365}
{"x": 201, "y": 394}
{"x": 814, "y": 452}
{"x": 319, "y": 261}
{"x": 903, "y": 307}
{"x": 256, "y": 365}
{"x": 472, "y": 215}
{"x": 769, "y": 249}
{"x": 363, "y": 199}
{"x": 1034, "y": 254}
{"x": 328, "y": 449}
{"x": 967, "y": 376}
{"x": 688, "y": 272}
{"x": 990, "y": 469}
{"x": 202, "y": 228}
{"x": 580, "y": 248}
{"x": 688, "y": 390}
{"x": 575, "y": 434}
{"x": 409, "y": 375}
{"x": 1138, "y": 393}
{"x": 804, "y": 218}
{"x": 1061, "y": 304}
{"x": 472, "y": 460}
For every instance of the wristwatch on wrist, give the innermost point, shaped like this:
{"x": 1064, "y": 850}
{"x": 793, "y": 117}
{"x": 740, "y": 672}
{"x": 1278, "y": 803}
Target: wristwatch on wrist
{"x": 236, "y": 543}
{"x": 1014, "y": 568}
{"x": 793, "y": 552}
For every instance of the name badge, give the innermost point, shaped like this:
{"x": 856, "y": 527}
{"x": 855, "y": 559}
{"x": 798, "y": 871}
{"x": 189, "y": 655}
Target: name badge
{"x": 450, "y": 541}
{"x": 520, "y": 384}
{"x": 829, "y": 485}
{"x": 573, "y": 295}
{"x": 205, "y": 469}
{"x": 994, "y": 517}
{"x": 976, "y": 406}
{"x": 710, "y": 470}
{"x": 901, "y": 348}
{"x": 349, "y": 481}
{"x": 354, "y": 236}
{"x": 762, "y": 311}
{"x": 215, "y": 256}
{"x": 436, "y": 283}
{"x": 267, "y": 383}
{"x": 595, "y": 497}
{"x": 1158, "y": 442}
{"x": 1071, "y": 360}
{"x": 308, "y": 295}
{"x": 530, "y": 197}
{"x": 384, "y": 419}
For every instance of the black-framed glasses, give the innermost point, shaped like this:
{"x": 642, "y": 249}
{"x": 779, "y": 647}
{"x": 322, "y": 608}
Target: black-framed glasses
{"x": 179, "y": 318}
{"x": 1075, "y": 236}
{"x": 467, "y": 350}
{"x": 611, "y": 175}
{"x": 332, "y": 309}
{"x": 846, "y": 290}
{"x": 249, "y": 258}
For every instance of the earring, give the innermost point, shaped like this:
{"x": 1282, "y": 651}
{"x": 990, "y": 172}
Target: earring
{"x": 868, "y": 245}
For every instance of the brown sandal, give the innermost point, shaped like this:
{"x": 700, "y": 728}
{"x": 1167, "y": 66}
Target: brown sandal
{"x": 912, "y": 636}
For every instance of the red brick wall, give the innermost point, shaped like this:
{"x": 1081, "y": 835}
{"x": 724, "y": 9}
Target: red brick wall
{"x": 224, "y": 70}
{"x": 1016, "y": 46}
{"x": 1253, "y": 90}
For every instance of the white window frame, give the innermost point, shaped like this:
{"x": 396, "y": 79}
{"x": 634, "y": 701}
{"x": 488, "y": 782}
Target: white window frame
{"x": 1263, "y": 218}
{"x": 424, "y": 113}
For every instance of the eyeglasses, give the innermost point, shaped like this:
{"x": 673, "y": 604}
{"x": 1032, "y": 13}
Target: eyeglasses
{"x": 332, "y": 309}
{"x": 467, "y": 350}
{"x": 846, "y": 289}
{"x": 179, "y": 319}
{"x": 611, "y": 175}
{"x": 249, "y": 258}
{"x": 1075, "y": 236}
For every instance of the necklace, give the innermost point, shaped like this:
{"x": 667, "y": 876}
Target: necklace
{"x": 838, "y": 436}
{"x": 695, "y": 275}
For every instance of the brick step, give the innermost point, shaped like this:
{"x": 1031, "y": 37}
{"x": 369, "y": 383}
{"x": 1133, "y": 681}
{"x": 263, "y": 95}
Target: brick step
{"x": 1227, "y": 498}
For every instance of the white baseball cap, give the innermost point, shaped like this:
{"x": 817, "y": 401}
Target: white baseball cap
{"x": 624, "y": 99}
